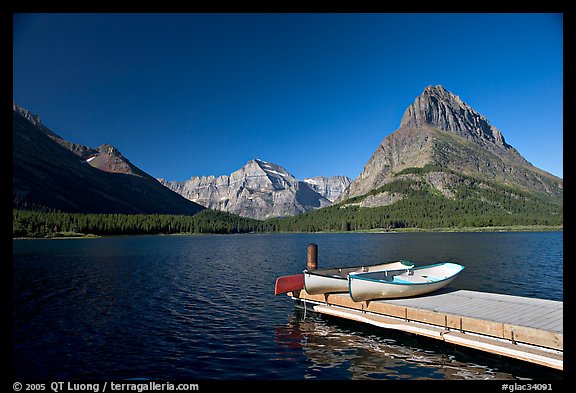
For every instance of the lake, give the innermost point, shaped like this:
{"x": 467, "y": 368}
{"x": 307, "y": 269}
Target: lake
{"x": 203, "y": 307}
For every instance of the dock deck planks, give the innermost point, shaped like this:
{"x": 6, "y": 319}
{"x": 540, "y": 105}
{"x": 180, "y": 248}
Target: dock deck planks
{"x": 490, "y": 306}
{"x": 498, "y": 322}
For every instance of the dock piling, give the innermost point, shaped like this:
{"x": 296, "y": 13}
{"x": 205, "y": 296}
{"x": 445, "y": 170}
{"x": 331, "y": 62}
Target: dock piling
{"x": 312, "y": 256}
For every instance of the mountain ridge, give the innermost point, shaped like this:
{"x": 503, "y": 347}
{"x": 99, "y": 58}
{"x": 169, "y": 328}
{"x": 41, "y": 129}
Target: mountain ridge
{"x": 445, "y": 166}
{"x": 259, "y": 189}
{"x": 51, "y": 173}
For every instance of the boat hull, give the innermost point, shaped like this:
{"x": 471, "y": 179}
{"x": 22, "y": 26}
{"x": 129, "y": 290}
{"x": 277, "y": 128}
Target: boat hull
{"x": 289, "y": 283}
{"x": 336, "y": 280}
{"x": 423, "y": 280}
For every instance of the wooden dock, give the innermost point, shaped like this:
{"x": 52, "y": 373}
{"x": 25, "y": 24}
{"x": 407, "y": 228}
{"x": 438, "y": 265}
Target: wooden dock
{"x": 517, "y": 327}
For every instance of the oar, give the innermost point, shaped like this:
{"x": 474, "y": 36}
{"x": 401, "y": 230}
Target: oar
{"x": 289, "y": 283}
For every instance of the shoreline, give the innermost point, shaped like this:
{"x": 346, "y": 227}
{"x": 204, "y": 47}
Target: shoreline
{"x": 499, "y": 229}
{"x": 519, "y": 228}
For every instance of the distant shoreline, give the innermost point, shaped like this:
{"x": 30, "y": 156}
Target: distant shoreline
{"x": 520, "y": 228}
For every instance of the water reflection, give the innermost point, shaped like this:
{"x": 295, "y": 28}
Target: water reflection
{"x": 193, "y": 307}
{"x": 337, "y": 349}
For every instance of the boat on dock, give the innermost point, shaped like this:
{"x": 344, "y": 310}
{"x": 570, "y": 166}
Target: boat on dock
{"x": 389, "y": 284}
{"x": 520, "y": 328}
{"x": 335, "y": 280}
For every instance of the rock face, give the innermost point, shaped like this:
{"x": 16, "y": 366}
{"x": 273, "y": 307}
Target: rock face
{"x": 329, "y": 187}
{"x": 108, "y": 159}
{"x": 441, "y": 109}
{"x": 439, "y": 129}
{"x": 25, "y": 113}
{"x": 259, "y": 190}
{"x": 51, "y": 173}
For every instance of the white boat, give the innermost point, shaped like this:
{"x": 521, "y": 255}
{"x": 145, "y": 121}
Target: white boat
{"x": 336, "y": 279}
{"x": 401, "y": 283}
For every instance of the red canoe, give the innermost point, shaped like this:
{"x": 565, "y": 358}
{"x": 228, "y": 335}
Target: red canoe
{"x": 289, "y": 283}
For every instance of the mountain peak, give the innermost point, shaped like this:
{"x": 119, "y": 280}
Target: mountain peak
{"x": 270, "y": 169}
{"x": 441, "y": 109}
{"x": 259, "y": 189}
{"x": 439, "y": 130}
{"x": 110, "y": 150}
{"x": 437, "y": 88}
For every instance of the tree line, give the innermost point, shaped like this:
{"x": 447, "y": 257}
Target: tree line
{"x": 426, "y": 209}
{"x": 33, "y": 223}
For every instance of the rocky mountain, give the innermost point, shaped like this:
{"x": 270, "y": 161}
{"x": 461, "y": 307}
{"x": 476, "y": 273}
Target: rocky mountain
{"x": 259, "y": 190}
{"x": 51, "y": 173}
{"x": 443, "y": 134}
{"x": 446, "y": 166}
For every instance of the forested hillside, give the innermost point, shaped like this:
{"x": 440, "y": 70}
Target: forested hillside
{"x": 474, "y": 203}
{"x": 464, "y": 201}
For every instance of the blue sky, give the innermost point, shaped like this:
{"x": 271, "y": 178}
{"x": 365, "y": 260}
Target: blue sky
{"x": 184, "y": 95}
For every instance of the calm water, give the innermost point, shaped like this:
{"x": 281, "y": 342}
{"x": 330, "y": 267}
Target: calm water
{"x": 202, "y": 307}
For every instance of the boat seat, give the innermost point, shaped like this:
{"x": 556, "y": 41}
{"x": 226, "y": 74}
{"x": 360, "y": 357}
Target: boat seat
{"x": 405, "y": 279}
